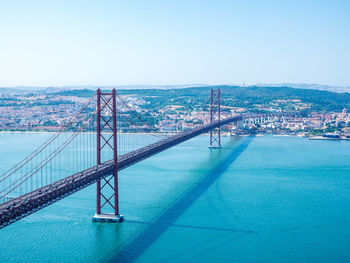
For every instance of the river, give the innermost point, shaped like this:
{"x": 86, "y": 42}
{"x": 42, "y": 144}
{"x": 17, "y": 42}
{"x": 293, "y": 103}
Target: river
{"x": 258, "y": 199}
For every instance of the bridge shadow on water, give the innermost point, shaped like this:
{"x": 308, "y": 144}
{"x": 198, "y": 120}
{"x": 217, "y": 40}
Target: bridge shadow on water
{"x": 167, "y": 219}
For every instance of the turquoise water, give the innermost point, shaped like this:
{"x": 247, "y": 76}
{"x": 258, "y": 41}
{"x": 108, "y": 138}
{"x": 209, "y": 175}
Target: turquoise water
{"x": 261, "y": 199}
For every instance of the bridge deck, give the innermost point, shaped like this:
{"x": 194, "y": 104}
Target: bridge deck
{"x": 24, "y": 205}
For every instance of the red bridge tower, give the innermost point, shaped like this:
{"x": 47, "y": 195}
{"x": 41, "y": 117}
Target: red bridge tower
{"x": 107, "y": 188}
{"x": 215, "y": 115}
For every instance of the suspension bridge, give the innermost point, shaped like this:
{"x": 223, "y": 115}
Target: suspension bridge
{"x": 104, "y": 137}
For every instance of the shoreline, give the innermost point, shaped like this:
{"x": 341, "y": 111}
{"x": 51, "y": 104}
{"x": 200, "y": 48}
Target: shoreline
{"x": 54, "y": 132}
{"x": 226, "y": 134}
{"x": 160, "y": 134}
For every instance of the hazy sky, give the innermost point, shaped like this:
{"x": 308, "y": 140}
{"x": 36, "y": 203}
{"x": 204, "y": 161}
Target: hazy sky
{"x": 174, "y": 42}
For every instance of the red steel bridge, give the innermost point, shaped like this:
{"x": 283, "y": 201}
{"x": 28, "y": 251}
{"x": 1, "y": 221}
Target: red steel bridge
{"x": 105, "y": 136}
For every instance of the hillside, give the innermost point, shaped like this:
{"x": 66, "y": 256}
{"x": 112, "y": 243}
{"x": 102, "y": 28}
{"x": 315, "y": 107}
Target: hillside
{"x": 234, "y": 96}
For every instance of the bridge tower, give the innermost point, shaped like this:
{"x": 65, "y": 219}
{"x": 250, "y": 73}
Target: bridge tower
{"x": 107, "y": 188}
{"x": 215, "y": 114}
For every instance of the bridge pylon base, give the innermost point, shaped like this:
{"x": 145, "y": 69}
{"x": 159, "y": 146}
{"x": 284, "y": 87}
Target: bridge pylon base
{"x": 215, "y": 146}
{"x": 108, "y": 217}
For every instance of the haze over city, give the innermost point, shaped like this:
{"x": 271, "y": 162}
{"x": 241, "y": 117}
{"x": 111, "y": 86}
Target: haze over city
{"x": 58, "y": 43}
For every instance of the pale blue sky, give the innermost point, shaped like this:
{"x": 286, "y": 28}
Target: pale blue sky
{"x": 174, "y": 42}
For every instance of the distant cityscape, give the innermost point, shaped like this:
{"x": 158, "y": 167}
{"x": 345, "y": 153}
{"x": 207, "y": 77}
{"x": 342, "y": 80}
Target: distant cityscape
{"x": 45, "y": 111}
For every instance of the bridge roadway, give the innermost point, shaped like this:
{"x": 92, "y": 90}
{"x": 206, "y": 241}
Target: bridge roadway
{"x": 17, "y": 208}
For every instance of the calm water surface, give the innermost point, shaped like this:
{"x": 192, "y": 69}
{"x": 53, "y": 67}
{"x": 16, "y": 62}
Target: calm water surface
{"x": 262, "y": 199}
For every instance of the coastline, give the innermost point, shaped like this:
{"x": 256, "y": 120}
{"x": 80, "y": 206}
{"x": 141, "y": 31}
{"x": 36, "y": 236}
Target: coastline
{"x": 89, "y": 132}
{"x": 158, "y": 134}
{"x": 204, "y": 134}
